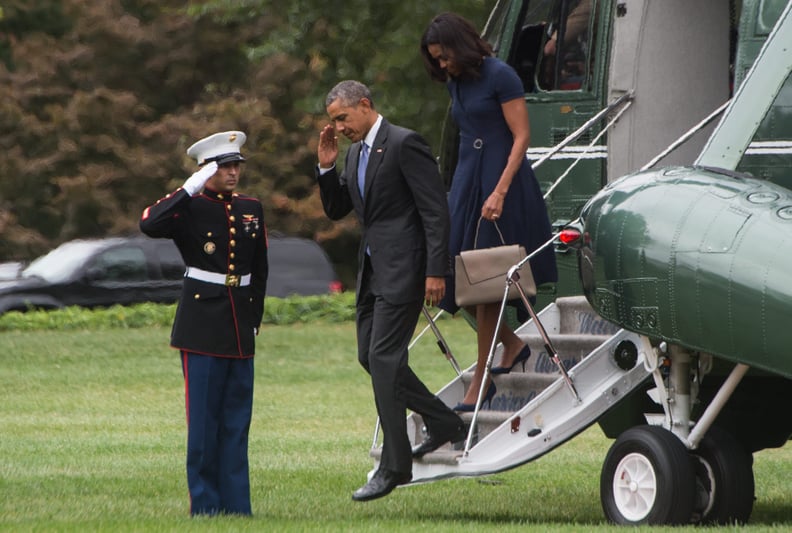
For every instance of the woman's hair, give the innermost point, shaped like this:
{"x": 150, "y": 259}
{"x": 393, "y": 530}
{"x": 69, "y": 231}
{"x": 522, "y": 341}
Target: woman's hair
{"x": 459, "y": 37}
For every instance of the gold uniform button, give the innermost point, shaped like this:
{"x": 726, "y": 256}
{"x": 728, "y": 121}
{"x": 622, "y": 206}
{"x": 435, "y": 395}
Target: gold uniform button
{"x": 228, "y": 207}
{"x": 231, "y": 218}
{"x": 231, "y": 255}
{"x": 232, "y": 231}
{"x": 219, "y": 196}
{"x": 231, "y": 267}
{"x": 208, "y": 233}
{"x": 232, "y": 243}
{"x": 197, "y": 296}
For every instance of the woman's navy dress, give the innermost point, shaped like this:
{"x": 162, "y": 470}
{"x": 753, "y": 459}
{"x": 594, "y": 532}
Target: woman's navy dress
{"x": 484, "y": 147}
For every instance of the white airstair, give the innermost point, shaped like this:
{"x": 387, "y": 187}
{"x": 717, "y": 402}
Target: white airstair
{"x": 536, "y": 410}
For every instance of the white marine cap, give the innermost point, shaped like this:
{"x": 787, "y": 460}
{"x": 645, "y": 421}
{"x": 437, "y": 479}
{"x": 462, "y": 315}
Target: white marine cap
{"x": 221, "y": 147}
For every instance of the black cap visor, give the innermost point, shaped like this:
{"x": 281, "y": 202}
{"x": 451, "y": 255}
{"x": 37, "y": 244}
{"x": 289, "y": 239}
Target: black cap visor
{"x": 225, "y": 158}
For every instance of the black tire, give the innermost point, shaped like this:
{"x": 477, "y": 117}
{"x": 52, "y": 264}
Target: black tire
{"x": 647, "y": 478}
{"x": 724, "y": 480}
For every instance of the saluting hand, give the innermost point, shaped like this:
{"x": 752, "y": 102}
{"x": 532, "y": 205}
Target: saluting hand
{"x": 328, "y": 147}
{"x": 195, "y": 183}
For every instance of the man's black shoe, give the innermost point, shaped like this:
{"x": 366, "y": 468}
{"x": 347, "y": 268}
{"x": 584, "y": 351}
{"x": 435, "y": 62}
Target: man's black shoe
{"x": 381, "y": 484}
{"x": 433, "y": 442}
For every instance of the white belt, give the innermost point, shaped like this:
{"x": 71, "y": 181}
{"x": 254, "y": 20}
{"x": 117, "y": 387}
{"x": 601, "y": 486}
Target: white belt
{"x": 229, "y": 280}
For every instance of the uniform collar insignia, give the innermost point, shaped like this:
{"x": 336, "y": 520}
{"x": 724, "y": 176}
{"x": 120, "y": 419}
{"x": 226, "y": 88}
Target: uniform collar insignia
{"x": 221, "y": 197}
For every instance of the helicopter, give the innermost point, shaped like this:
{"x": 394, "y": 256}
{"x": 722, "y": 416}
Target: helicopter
{"x": 666, "y": 327}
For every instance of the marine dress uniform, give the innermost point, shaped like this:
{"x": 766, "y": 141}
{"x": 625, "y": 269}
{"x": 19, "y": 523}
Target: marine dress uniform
{"x": 222, "y": 239}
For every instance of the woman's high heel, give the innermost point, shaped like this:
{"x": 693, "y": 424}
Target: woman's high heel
{"x": 522, "y": 357}
{"x": 470, "y": 407}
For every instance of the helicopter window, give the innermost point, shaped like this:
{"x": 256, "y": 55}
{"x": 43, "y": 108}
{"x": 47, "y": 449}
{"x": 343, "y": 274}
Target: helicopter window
{"x": 496, "y": 25}
{"x": 554, "y": 45}
{"x": 768, "y": 14}
{"x": 528, "y": 38}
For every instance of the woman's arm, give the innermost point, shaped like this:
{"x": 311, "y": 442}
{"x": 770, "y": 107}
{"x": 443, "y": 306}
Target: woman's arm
{"x": 516, "y": 114}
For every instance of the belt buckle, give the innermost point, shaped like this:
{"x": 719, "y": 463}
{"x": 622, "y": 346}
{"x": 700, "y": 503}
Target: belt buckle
{"x": 232, "y": 280}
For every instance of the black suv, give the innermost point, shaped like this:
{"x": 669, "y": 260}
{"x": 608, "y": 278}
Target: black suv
{"x": 128, "y": 270}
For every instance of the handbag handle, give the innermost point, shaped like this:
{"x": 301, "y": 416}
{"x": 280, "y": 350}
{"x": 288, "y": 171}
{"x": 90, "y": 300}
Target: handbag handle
{"x": 478, "y": 225}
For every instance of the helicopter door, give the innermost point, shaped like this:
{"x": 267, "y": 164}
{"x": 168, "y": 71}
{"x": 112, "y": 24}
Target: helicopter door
{"x": 559, "y": 49}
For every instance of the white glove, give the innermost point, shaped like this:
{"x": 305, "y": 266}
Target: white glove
{"x": 195, "y": 183}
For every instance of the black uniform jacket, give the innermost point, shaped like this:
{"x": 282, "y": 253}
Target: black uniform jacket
{"x": 404, "y": 214}
{"x": 224, "y": 234}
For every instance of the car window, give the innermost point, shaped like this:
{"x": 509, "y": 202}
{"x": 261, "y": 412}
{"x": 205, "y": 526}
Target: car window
{"x": 120, "y": 264}
{"x": 61, "y": 263}
{"x": 170, "y": 260}
{"x": 299, "y": 260}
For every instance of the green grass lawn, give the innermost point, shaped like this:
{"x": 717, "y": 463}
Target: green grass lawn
{"x": 92, "y": 438}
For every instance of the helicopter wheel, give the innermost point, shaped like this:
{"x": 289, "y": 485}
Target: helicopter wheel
{"x": 647, "y": 478}
{"x": 724, "y": 480}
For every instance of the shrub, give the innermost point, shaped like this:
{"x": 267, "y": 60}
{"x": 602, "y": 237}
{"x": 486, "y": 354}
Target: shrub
{"x": 332, "y": 307}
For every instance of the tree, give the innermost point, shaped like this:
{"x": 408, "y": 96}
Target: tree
{"x": 93, "y": 107}
{"x": 376, "y": 43}
{"x": 99, "y": 101}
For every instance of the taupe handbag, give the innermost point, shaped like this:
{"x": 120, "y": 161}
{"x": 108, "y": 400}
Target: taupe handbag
{"x": 480, "y": 274}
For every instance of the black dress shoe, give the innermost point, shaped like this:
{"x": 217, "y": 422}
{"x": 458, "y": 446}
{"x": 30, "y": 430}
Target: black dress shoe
{"x": 381, "y": 484}
{"x": 433, "y": 442}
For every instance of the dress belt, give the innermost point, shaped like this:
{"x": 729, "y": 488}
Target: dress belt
{"x": 475, "y": 142}
{"x": 478, "y": 143}
{"x": 229, "y": 280}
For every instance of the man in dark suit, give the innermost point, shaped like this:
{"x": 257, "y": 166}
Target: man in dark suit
{"x": 223, "y": 241}
{"x": 392, "y": 183}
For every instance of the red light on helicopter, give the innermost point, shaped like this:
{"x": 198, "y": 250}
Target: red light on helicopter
{"x": 569, "y": 236}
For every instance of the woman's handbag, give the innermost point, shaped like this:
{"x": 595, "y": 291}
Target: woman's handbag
{"x": 480, "y": 275}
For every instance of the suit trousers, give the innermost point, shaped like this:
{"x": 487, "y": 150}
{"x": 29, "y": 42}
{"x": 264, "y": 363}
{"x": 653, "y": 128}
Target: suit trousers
{"x": 384, "y": 331}
{"x": 219, "y": 401}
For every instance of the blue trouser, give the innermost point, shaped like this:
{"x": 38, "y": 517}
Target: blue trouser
{"x": 219, "y": 400}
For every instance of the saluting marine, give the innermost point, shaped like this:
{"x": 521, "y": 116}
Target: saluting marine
{"x": 222, "y": 238}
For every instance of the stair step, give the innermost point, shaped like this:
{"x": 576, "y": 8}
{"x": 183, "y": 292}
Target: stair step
{"x": 514, "y": 390}
{"x": 574, "y": 330}
{"x": 445, "y": 454}
{"x": 488, "y": 420}
{"x": 450, "y": 453}
{"x": 577, "y": 316}
{"x": 517, "y": 388}
{"x": 571, "y": 349}
{"x": 488, "y": 417}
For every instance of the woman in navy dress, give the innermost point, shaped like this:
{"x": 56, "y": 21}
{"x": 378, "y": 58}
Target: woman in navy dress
{"x": 493, "y": 180}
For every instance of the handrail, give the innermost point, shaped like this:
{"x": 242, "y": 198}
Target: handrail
{"x": 574, "y": 163}
{"x": 513, "y": 276}
{"x": 582, "y": 129}
{"x": 685, "y": 136}
{"x": 752, "y": 99}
